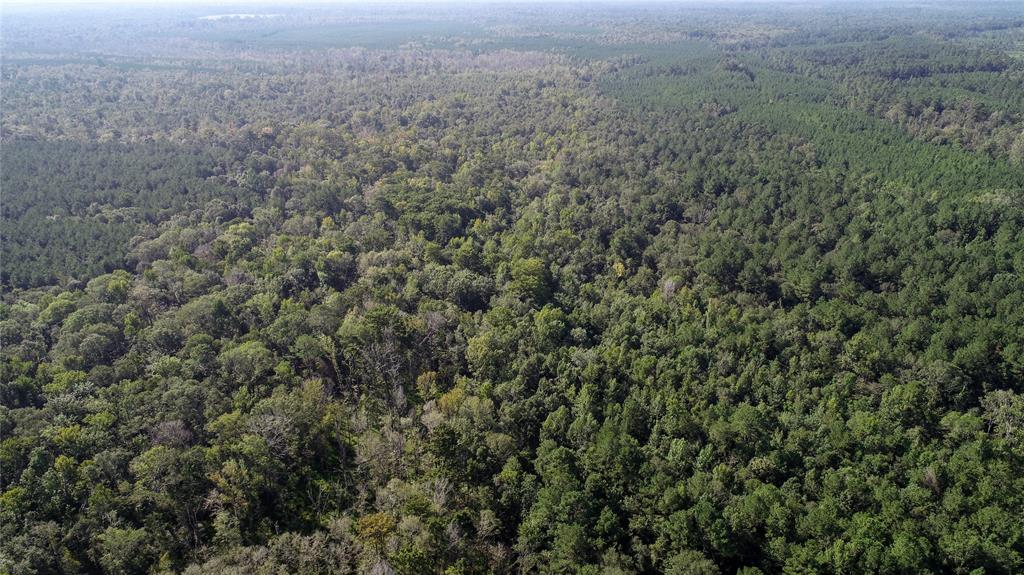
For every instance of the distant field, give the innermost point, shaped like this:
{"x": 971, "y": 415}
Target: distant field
{"x": 370, "y": 35}
{"x": 580, "y": 41}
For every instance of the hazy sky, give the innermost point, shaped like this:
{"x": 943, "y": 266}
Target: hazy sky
{"x": 215, "y": 3}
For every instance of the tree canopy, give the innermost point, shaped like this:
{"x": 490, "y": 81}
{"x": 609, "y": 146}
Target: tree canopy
{"x": 561, "y": 289}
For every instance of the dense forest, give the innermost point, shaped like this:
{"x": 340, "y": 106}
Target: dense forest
{"x": 512, "y": 288}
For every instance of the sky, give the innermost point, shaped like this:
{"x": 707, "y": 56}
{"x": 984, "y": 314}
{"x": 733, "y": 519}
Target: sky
{"x": 23, "y": 4}
{"x": 215, "y": 3}
{"x": 245, "y": 2}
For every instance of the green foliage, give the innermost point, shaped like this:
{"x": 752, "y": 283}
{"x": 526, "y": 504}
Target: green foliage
{"x": 530, "y": 279}
{"x": 566, "y": 290}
